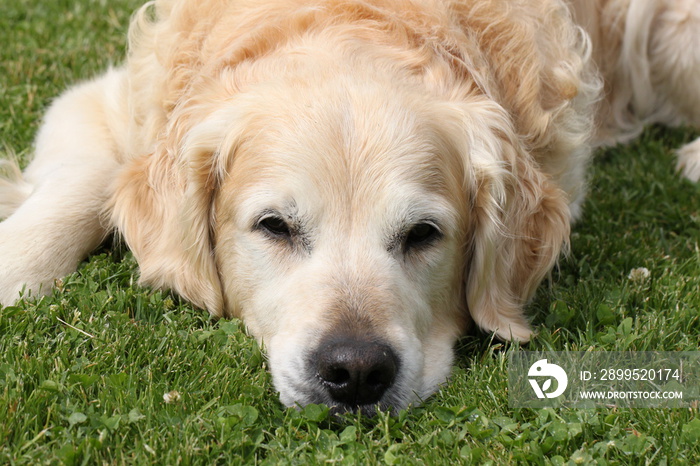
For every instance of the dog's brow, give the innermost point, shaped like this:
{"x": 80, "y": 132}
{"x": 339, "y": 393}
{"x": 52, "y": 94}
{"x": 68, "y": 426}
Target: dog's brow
{"x": 288, "y": 211}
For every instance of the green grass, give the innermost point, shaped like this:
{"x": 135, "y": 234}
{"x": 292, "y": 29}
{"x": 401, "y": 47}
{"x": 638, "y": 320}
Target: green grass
{"x": 83, "y": 372}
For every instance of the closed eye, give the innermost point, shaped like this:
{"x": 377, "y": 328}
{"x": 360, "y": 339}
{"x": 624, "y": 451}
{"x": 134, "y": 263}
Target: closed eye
{"x": 275, "y": 226}
{"x": 421, "y": 235}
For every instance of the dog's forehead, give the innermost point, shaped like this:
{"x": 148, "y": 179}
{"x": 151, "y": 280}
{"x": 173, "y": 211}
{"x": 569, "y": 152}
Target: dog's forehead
{"x": 360, "y": 151}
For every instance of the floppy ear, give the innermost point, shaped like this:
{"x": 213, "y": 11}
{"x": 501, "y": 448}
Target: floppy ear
{"x": 162, "y": 207}
{"x": 521, "y": 223}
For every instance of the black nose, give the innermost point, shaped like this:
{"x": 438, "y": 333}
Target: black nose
{"x": 356, "y": 372}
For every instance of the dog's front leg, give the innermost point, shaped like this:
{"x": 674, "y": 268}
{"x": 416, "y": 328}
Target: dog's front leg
{"x": 54, "y": 214}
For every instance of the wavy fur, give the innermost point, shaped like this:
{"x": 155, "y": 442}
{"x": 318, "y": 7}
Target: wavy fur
{"x": 371, "y": 173}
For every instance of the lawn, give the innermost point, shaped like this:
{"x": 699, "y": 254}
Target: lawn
{"x": 83, "y": 373}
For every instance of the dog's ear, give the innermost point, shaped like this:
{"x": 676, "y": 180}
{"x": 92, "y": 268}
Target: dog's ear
{"x": 162, "y": 207}
{"x": 520, "y": 222}
{"x": 519, "y": 234}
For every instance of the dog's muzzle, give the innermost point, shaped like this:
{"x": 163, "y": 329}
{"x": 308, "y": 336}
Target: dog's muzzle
{"x": 355, "y": 373}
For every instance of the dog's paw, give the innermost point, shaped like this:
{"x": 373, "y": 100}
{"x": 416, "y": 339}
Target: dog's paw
{"x": 11, "y": 293}
{"x": 689, "y": 160}
{"x": 18, "y": 279}
{"x": 24, "y": 269}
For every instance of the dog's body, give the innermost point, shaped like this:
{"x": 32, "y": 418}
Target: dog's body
{"x": 357, "y": 180}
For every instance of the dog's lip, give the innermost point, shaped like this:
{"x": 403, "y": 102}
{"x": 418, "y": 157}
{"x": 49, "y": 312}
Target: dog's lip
{"x": 314, "y": 393}
{"x": 369, "y": 410}
{"x": 319, "y": 396}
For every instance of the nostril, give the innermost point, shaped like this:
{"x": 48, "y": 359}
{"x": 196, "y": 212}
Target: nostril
{"x": 356, "y": 372}
{"x": 335, "y": 375}
{"x": 380, "y": 377}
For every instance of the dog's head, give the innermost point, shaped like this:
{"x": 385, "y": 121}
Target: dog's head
{"x": 356, "y": 223}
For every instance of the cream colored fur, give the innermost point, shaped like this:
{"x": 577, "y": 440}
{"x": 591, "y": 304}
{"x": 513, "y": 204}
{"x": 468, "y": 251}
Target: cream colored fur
{"x": 352, "y": 122}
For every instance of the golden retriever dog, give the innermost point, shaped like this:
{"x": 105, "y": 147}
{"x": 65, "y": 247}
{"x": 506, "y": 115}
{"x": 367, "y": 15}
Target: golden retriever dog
{"x": 357, "y": 180}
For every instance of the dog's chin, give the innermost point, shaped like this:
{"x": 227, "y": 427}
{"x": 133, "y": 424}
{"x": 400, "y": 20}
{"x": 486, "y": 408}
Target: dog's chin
{"x": 295, "y": 393}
